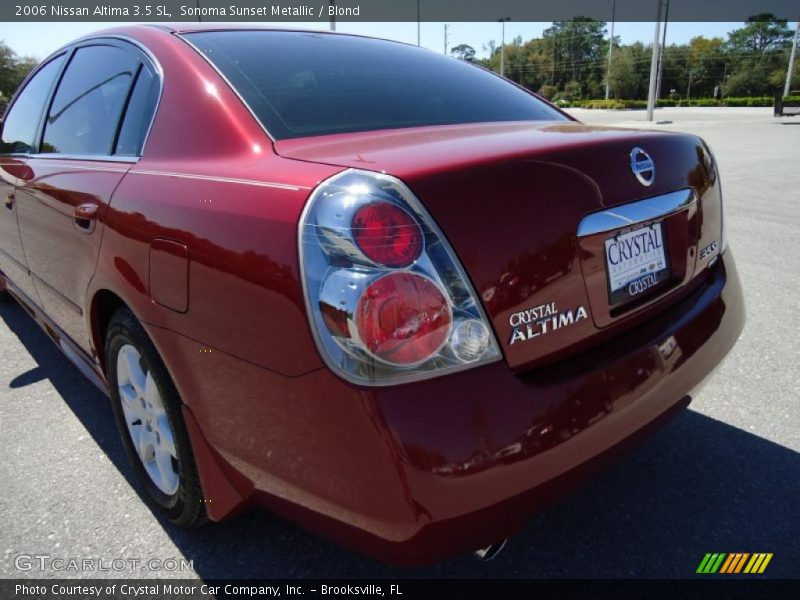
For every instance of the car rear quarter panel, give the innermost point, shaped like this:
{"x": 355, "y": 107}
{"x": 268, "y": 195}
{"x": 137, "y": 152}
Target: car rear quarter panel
{"x": 243, "y": 284}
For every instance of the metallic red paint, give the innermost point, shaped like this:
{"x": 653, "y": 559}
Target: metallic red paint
{"x": 408, "y": 473}
{"x": 12, "y": 256}
{"x": 61, "y": 255}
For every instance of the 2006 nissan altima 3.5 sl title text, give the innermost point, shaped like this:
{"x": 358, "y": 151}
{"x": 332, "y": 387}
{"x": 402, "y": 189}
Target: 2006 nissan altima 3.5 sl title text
{"x": 161, "y": 10}
{"x": 384, "y": 293}
{"x": 100, "y": 10}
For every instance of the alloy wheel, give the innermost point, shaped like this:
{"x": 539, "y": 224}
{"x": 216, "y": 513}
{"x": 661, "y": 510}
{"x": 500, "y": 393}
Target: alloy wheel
{"x": 147, "y": 421}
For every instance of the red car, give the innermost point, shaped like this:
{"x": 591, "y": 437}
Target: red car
{"x": 382, "y": 292}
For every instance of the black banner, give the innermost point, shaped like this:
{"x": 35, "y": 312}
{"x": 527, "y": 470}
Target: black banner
{"x": 387, "y": 10}
{"x": 184, "y": 589}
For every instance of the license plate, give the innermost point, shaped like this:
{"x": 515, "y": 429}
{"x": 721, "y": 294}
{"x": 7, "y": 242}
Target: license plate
{"x": 636, "y": 262}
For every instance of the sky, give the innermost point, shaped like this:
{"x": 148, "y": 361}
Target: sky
{"x": 40, "y": 39}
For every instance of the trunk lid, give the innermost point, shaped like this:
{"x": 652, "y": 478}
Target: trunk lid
{"x": 511, "y": 198}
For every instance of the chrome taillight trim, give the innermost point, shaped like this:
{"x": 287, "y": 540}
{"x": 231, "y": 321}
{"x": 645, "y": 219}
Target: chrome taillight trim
{"x": 421, "y": 266}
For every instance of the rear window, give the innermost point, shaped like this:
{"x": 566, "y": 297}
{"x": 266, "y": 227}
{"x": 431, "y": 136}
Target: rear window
{"x": 304, "y": 84}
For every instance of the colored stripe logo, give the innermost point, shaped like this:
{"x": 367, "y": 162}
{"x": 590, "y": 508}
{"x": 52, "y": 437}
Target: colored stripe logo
{"x": 733, "y": 563}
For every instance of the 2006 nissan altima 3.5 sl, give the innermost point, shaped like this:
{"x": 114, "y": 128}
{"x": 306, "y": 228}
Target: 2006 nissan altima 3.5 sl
{"x": 382, "y": 292}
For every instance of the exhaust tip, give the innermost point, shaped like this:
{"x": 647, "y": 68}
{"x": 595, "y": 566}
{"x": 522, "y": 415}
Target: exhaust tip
{"x": 491, "y": 551}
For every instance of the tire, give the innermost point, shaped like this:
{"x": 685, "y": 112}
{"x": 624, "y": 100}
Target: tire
{"x": 147, "y": 410}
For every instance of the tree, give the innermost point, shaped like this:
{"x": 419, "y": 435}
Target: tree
{"x": 548, "y": 91}
{"x": 8, "y": 71}
{"x": 572, "y": 91}
{"x": 578, "y": 49}
{"x": 757, "y": 53}
{"x": 624, "y": 81}
{"x": 13, "y": 70}
{"x": 463, "y": 52}
{"x": 569, "y": 62}
{"x": 705, "y": 66}
{"x": 746, "y": 82}
{"x": 762, "y": 33}
{"x": 675, "y": 71}
{"x": 491, "y": 48}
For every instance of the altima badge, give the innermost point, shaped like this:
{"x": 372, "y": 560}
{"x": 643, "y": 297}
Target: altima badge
{"x": 541, "y": 320}
{"x": 643, "y": 166}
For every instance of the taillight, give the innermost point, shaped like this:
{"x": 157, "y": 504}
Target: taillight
{"x": 387, "y": 234}
{"x": 403, "y": 318}
{"x": 387, "y": 298}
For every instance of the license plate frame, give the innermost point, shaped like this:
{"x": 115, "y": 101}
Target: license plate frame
{"x": 637, "y": 275}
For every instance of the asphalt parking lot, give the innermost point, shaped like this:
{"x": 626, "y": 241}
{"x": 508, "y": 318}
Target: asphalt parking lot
{"x": 723, "y": 477}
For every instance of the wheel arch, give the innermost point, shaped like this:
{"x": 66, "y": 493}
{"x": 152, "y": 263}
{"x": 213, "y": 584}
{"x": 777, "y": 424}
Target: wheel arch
{"x": 228, "y": 499}
{"x": 104, "y": 303}
{"x": 103, "y": 306}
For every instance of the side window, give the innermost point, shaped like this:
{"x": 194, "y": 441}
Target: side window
{"x": 85, "y": 112}
{"x": 22, "y": 120}
{"x": 139, "y": 114}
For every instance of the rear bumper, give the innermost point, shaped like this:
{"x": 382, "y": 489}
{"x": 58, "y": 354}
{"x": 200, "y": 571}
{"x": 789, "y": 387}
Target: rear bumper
{"x": 414, "y": 473}
{"x": 483, "y": 451}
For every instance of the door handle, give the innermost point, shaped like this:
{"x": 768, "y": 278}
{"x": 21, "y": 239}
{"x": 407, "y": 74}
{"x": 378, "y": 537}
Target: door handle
{"x": 10, "y": 201}
{"x": 85, "y": 217}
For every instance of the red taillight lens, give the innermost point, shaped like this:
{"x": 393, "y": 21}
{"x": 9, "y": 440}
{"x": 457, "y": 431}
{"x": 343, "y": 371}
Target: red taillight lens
{"x": 387, "y": 234}
{"x": 403, "y": 318}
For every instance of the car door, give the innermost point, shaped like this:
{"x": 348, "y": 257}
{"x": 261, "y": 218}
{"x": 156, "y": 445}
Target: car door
{"x": 85, "y": 150}
{"x": 18, "y": 138}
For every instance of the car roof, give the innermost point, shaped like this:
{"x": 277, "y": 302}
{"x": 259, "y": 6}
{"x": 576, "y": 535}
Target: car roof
{"x": 193, "y": 27}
